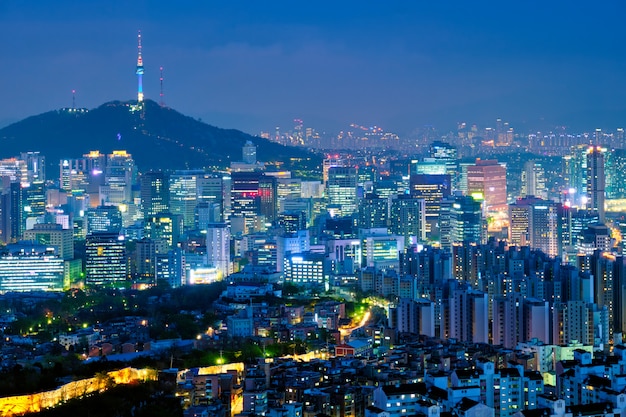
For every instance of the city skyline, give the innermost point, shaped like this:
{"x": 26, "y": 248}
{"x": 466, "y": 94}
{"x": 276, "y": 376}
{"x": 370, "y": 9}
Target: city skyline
{"x": 400, "y": 66}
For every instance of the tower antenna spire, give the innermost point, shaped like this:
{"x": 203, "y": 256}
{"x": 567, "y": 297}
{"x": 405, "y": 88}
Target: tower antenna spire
{"x": 162, "y": 103}
{"x": 139, "y": 70}
{"x": 74, "y": 99}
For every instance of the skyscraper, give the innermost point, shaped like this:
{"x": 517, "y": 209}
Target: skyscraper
{"x": 218, "y": 248}
{"x": 537, "y": 223}
{"x": 408, "y": 218}
{"x": 120, "y": 175}
{"x": 341, "y": 190}
{"x": 432, "y": 188}
{"x": 487, "y": 179}
{"x": 183, "y": 189}
{"x": 373, "y": 212}
{"x": 534, "y": 180}
{"x": 596, "y": 181}
{"x": 155, "y": 193}
{"x": 105, "y": 260}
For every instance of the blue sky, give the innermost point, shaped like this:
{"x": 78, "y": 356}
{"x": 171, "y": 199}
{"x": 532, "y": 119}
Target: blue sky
{"x": 254, "y": 65}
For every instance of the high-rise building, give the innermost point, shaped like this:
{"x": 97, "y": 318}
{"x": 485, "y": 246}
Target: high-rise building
{"x": 166, "y": 226}
{"x": 373, "y": 212}
{"x": 104, "y": 219}
{"x": 218, "y": 248}
{"x": 461, "y": 221}
{"x": 155, "y": 193}
{"x": 431, "y": 188}
{"x": 245, "y": 201}
{"x": 534, "y": 180}
{"x": 448, "y": 154}
{"x": 306, "y": 269}
{"x": 146, "y": 253}
{"x": 27, "y": 267}
{"x": 183, "y": 190}
{"x": 486, "y": 180}
{"x": 52, "y": 234}
{"x": 105, "y": 260}
{"x": 341, "y": 189}
{"x": 536, "y": 222}
{"x": 408, "y": 219}
{"x": 35, "y": 166}
{"x": 120, "y": 175}
{"x": 268, "y": 198}
{"x": 216, "y": 188}
{"x": 596, "y": 181}
{"x": 469, "y": 316}
{"x": 34, "y": 205}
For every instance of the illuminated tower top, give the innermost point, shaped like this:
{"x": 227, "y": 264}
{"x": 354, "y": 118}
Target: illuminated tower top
{"x": 139, "y": 70}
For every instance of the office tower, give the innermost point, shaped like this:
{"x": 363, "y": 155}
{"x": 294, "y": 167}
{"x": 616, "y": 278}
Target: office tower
{"x": 183, "y": 190}
{"x": 207, "y": 213}
{"x": 245, "y": 201}
{"x": 381, "y": 250}
{"x": 486, "y": 179}
{"x": 31, "y": 267}
{"x": 460, "y": 221}
{"x": 105, "y": 260}
{"x": 84, "y": 174}
{"x": 408, "y": 219}
{"x": 536, "y": 222}
{"x": 448, "y": 154}
{"x": 249, "y": 153}
{"x": 268, "y": 198}
{"x": 216, "y": 188}
{"x": 146, "y": 253}
{"x": 104, "y": 219}
{"x": 306, "y": 269}
{"x": 575, "y": 170}
{"x": 155, "y": 193}
{"x": 218, "y": 248}
{"x": 596, "y": 181}
{"x": 373, "y": 212}
{"x": 288, "y": 187}
{"x": 15, "y": 169}
{"x": 534, "y": 180}
{"x": 596, "y": 237}
{"x": 166, "y": 226}
{"x": 615, "y": 171}
{"x": 34, "y": 205}
{"x": 52, "y": 234}
{"x": 341, "y": 190}
{"x": 16, "y": 223}
{"x": 431, "y": 188}
{"x": 170, "y": 268}
{"x": 35, "y": 166}
{"x": 120, "y": 175}
{"x": 292, "y": 221}
{"x": 329, "y": 162}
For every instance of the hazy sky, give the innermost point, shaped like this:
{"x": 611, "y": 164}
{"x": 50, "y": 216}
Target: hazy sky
{"x": 253, "y": 65}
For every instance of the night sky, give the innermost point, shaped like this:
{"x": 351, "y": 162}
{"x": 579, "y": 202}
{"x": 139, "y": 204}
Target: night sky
{"x": 254, "y": 65}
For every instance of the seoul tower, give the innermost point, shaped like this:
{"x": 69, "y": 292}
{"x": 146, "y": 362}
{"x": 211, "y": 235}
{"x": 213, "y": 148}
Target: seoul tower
{"x": 139, "y": 71}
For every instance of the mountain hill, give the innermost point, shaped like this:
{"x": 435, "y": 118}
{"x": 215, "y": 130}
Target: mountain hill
{"x": 157, "y": 137}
